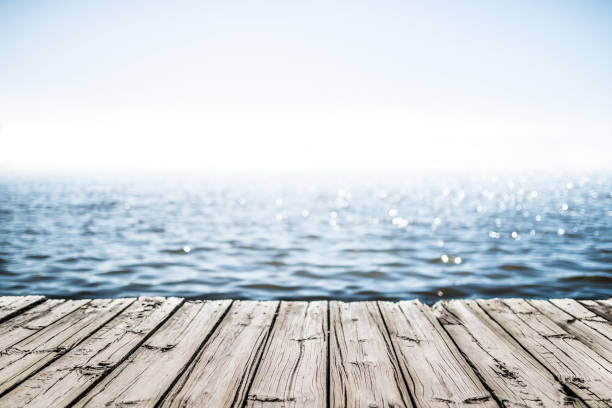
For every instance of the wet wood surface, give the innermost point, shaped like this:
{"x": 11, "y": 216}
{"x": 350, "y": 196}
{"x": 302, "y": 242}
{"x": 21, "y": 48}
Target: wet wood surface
{"x": 168, "y": 352}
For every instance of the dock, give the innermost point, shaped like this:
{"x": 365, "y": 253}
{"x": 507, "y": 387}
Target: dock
{"x": 172, "y": 352}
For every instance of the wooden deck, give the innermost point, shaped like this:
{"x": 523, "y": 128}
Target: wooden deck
{"x": 167, "y": 352}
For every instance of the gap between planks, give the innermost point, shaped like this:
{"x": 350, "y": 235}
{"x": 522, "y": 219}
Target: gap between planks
{"x": 304, "y": 354}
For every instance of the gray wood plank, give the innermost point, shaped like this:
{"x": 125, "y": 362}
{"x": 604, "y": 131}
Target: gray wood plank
{"x": 29, "y": 355}
{"x": 575, "y": 319}
{"x": 436, "y": 372}
{"x": 293, "y": 369}
{"x": 598, "y": 307}
{"x": 64, "y": 380}
{"x": 12, "y": 305}
{"x": 514, "y": 377}
{"x": 142, "y": 379}
{"x": 223, "y": 369}
{"x": 51, "y": 352}
{"x": 575, "y": 365}
{"x": 363, "y": 368}
{"x": 35, "y": 319}
{"x": 579, "y": 312}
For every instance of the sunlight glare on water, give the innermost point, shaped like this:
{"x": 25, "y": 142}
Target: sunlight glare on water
{"x": 298, "y": 237}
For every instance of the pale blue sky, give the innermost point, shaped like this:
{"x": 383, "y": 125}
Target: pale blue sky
{"x": 317, "y": 85}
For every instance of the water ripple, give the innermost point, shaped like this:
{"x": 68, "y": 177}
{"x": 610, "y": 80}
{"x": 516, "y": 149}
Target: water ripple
{"x": 338, "y": 237}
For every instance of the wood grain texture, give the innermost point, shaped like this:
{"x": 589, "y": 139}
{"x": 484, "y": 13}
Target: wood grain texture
{"x": 158, "y": 353}
{"x": 581, "y": 313}
{"x": 12, "y": 305}
{"x": 293, "y": 368}
{"x": 585, "y": 325}
{"x": 142, "y": 379}
{"x": 436, "y": 372}
{"x": 575, "y": 365}
{"x": 223, "y": 369}
{"x": 514, "y": 377}
{"x": 29, "y": 355}
{"x": 598, "y": 307}
{"x": 363, "y": 369}
{"x": 64, "y": 380}
{"x": 35, "y": 319}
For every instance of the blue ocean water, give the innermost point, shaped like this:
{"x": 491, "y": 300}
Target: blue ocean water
{"x": 307, "y": 237}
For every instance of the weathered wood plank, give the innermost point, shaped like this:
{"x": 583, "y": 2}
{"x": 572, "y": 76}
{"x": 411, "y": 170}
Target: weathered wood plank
{"x": 13, "y": 305}
{"x": 29, "y": 355}
{"x": 580, "y": 322}
{"x": 380, "y": 354}
{"x": 599, "y": 308}
{"x": 363, "y": 367}
{"x": 293, "y": 368}
{"x": 514, "y": 377}
{"x": 575, "y": 365}
{"x": 579, "y": 312}
{"x": 223, "y": 369}
{"x": 147, "y": 374}
{"x": 64, "y": 380}
{"x": 436, "y": 372}
{"x": 35, "y": 319}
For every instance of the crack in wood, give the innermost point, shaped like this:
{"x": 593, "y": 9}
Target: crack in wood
{"x": 163, "y": 349}
{"x": 263, "y": 398}
{"x": 499, "y": 345}
{"x": 409, "y": 339}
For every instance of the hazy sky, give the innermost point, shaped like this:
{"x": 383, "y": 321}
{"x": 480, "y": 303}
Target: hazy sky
{"x": 305, "y": 85}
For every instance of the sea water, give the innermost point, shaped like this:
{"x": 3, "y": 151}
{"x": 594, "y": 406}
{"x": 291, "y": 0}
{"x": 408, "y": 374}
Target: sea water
{"x": 348, "y": 237}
